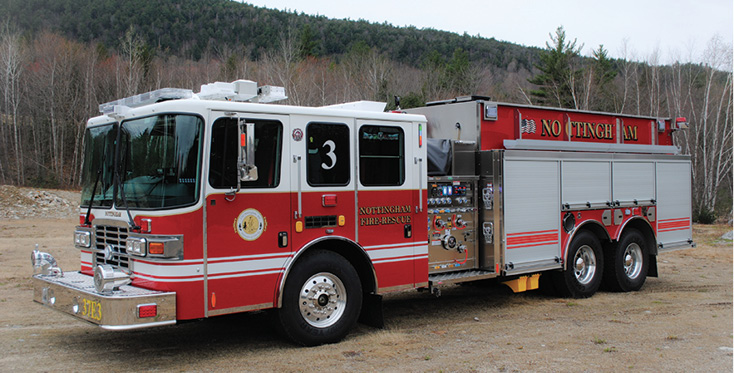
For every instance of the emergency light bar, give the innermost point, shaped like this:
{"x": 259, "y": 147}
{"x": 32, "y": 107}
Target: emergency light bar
{"x": 239, "y": 90}
{"x": 147, "y": 99}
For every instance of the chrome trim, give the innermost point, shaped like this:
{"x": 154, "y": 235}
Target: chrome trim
{"x": 624, "y": 225}
{"x": 587, "y": 146}
{"x": 391, "y": 289}
{"x": 137, "y": 326}
{"x": 116, "y": 311}
{"x": 173, "y": 246}
{"x": 572, "y": 234}
{"x": 674, "y": 246}
{"x": 289, "y": 264}
{"x": 592, "y": 155}
{"x": 253, "y": 307}
{"x": 297, "y": 161}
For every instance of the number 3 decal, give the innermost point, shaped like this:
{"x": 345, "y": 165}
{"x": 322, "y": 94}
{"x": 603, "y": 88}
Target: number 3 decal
{"x": 330, "y": 154}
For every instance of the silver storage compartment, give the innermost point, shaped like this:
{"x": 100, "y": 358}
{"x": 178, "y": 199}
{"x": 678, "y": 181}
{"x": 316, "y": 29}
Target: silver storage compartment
{"x": 490, "y": 204}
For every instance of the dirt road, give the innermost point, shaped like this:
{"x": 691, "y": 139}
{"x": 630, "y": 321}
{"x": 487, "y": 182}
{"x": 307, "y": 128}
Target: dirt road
{"x": 681, "y": 321}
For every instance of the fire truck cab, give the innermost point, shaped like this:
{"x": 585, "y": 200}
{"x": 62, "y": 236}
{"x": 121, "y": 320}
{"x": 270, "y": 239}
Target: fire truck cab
{"x": 198, "y": 205}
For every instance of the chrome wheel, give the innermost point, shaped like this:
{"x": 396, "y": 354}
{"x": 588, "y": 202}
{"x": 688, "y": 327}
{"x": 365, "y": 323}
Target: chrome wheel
{"x": 584, "y": 263}
{"x": 322, "y": 300}
{"x": 632, "y": 260}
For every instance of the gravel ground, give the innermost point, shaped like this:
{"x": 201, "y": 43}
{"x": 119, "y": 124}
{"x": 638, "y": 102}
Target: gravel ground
{"x": 681, "y": 321}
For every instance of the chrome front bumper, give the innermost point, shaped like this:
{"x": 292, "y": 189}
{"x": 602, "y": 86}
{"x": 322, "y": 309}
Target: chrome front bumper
{"x": 74, "y": 293}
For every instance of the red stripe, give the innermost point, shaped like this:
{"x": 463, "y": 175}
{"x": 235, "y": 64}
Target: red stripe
{"x": 674, "y": 225}
{"x": 536, "y": 244}
{"x": 673, "y": 229}
{"x": 531, "y": 233}
{"x": 532, "y": 239}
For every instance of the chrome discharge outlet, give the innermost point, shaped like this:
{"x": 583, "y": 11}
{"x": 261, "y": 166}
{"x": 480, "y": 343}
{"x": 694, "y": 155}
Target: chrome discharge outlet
{"x": 108, "y": 279}
{"x": 45, "y": 264}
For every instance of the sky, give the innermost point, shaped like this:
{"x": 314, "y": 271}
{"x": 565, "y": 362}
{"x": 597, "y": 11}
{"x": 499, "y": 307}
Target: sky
{"x": 679, "y": 30}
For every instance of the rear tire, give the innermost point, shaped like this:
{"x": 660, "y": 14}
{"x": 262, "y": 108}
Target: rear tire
{"x": 322, "y": 299}
{"x": 627, "y": 263}
{"x": 584, "y": 269}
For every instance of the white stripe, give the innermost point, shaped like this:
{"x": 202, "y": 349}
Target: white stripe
{"x": 213, "y": 268}
{"x": 390, "y": 253}
{"x": 244, "y": 275}
{"x": 396, "y": 260}
{"x": 168, "y": 270}
{"x": 391, "y": 245}
{"x": 246, "y": 265}
{"x": 86, "y": 257}
{"x": 193, "y": 279}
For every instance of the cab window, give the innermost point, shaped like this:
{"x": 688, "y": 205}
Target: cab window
{"x": 224, "y": 149}
{"x": 327, "y": 156}
{"x": 381, "y": 156}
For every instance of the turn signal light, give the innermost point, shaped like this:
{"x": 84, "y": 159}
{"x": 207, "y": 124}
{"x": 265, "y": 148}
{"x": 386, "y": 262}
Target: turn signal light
{"x": 155, "y": 248}
{"x": 147, "y": 310}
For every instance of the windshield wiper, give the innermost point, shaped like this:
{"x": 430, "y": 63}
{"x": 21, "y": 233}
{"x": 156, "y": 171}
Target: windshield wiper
{"x": 121, "y": 187}
{"x": 94, "y": 190}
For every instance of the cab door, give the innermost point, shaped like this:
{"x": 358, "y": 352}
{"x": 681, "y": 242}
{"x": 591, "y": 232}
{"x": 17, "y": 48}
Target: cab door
{"x": 247, "y": 230}
{"x": 391, "y": 220}
{"x": 322, "y": 178}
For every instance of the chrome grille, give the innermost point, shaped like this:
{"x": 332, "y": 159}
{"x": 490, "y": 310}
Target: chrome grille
{"x": 114, "y": 237}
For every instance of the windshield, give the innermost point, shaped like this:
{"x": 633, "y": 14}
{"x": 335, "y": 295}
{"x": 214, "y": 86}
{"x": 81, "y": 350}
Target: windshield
{"x": 159, "y": 161}
{"x": 99, "y": 157}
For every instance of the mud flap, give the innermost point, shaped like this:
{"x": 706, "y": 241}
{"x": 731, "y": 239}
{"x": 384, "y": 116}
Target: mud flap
{"x": 652, "y": 267}
{"x": 372, "y": 311}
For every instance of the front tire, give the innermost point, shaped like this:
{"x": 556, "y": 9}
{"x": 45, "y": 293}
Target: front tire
{"x": 584, "y": 270}
{"x": 627, "y": 263}
{"x": 322, "y": 299}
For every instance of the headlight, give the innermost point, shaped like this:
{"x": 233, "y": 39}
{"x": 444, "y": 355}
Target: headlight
{"x": 83, "y": 239}
{"x": 136, "y": 246}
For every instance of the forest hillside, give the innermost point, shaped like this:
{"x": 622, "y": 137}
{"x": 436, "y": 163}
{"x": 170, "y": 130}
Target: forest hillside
{"x": 59, "y": 59}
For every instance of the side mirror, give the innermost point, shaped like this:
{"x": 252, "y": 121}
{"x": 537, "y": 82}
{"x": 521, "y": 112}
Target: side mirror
{"x": 246, "y": 155}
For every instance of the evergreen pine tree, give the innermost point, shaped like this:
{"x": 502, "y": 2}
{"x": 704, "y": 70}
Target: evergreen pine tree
{"x": 557, "y": 74}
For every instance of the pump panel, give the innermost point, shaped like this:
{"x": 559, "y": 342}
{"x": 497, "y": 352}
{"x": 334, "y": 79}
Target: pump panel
{"x": 452, "y": 224}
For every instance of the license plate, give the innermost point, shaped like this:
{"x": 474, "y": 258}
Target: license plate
{"x": 91, "y": 309}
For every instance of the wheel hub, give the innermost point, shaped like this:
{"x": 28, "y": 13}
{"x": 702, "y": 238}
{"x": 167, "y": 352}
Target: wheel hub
{"x": 584, "y": 264}
{"x": 580, "y": 264}
{"x": 628, "y": 260}
{"x": 633, "y": 260}
{"x": 322, "y": 300}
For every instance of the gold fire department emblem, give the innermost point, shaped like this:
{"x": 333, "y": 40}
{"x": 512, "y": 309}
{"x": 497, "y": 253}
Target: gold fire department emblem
{"x": 250, "y": 224}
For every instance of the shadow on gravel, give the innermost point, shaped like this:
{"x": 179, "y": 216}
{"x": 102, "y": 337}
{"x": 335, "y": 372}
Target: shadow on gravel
{"x": 243, "y": 335}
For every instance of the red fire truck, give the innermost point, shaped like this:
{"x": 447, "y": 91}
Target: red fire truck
{"x": 198, "y": 205}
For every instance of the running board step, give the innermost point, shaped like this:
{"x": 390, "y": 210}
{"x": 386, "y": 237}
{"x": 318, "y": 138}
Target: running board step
{"x": 463, "y": 276}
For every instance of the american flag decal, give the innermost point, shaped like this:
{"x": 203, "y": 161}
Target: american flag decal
{"x": 527, "y": 126}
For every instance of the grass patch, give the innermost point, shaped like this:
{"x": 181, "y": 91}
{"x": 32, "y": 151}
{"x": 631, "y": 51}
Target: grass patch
{"x": 599, "y": 341}
{"x": 610, "y": 349}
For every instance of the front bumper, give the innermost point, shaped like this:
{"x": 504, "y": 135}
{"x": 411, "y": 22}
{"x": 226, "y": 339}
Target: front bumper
{"x": 74, "y": 293}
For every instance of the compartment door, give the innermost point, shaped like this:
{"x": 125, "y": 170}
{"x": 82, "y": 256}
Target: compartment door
{"x": 532, "y": 215}
{"x": 673, "y": 219}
